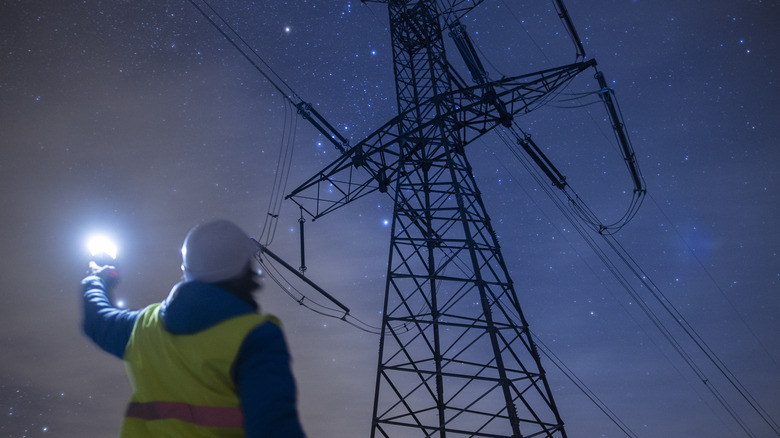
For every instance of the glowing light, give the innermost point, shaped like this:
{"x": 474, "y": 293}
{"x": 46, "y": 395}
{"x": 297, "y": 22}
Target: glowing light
{"x": 102, "y": 245}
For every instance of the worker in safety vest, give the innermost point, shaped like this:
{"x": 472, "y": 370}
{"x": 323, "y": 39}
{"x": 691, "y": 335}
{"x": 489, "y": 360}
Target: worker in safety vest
{"x": 204, "y": 362}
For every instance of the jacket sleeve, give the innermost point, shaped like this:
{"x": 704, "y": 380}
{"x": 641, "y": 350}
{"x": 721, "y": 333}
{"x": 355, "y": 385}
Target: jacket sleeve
{"x": 110, "y": 328}
{"x": 266, "y": 386}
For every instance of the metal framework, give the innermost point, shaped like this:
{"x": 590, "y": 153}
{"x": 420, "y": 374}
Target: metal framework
{"x": 456, "y": 357}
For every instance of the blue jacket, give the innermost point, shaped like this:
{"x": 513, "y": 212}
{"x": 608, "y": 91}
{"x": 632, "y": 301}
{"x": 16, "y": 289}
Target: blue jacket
{"x": 261, "y": 370}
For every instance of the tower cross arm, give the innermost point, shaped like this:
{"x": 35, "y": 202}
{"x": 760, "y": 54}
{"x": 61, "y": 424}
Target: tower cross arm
{"x": 373, "y": 163}
{"x": 500, "y": 101}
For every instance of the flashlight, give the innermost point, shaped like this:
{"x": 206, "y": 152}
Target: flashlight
{"x": 103, "y": 250}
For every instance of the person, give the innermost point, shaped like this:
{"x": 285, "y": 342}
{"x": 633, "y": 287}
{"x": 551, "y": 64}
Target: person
{"x": 203, "y": 362}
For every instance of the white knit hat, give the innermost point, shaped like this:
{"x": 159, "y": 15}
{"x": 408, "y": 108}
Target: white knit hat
{"x": 215, "y": 251}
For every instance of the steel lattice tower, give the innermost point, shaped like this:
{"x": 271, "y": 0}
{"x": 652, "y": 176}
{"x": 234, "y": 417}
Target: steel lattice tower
{"x": 456, "y": 357}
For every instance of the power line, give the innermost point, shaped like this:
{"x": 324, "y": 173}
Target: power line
{"x": 230, "y": 34}
{"x": 583, "y": 388}
{"x": 715, "y": 283}
{"x": 281, "y": 175}
{"x": 580, "y": 210}
{"x": 617, "y": 274}
{"x": 314, "y": 305}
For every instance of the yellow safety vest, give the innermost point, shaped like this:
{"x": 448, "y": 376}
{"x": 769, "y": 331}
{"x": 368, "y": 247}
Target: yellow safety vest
{"x": 182, "y": 383}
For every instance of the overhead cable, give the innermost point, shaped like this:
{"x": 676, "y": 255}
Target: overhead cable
{"x": 582, "y": 212}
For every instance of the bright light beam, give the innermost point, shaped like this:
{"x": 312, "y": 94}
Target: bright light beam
{"x": 102, "y": 245}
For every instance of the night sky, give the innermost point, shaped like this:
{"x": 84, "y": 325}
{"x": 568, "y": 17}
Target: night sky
{"x": 137, "y": 119}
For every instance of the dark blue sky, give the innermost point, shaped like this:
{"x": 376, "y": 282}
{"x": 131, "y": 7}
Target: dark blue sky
{"x": 138, "y": 119}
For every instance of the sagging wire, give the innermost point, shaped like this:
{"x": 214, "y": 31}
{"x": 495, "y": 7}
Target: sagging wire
{"x": 582, "y": 386}
{"x": 714, "y": 282}
{"x": 315, "y": 306}
{"x": 281, "y": 175}
{"x": 605, "y": 94}
{"x": 623, "y": 142}
{"x": 303, "y": 300}
{"x": 538, "y": 180}
{"x": 574, "y": 203}
{"x": 689, "y": 330}
{"x": 623, "y": 281}
{"x": 235, "y": 39}
{"x": 577, "y": 97}
{"x": 640, "y": 275}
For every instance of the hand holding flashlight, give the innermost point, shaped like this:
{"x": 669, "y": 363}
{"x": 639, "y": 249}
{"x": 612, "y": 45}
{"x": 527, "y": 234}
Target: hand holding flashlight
{"x": 107, "y": 273}
{"x": 103, "y": 252}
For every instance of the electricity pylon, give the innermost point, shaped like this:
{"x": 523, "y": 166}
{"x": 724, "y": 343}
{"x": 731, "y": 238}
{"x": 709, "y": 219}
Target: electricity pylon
{"x": 456, "y": 357}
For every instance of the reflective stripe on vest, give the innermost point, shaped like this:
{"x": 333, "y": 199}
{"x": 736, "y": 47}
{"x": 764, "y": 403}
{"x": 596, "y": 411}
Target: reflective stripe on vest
{"x": 201, "y": 415}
